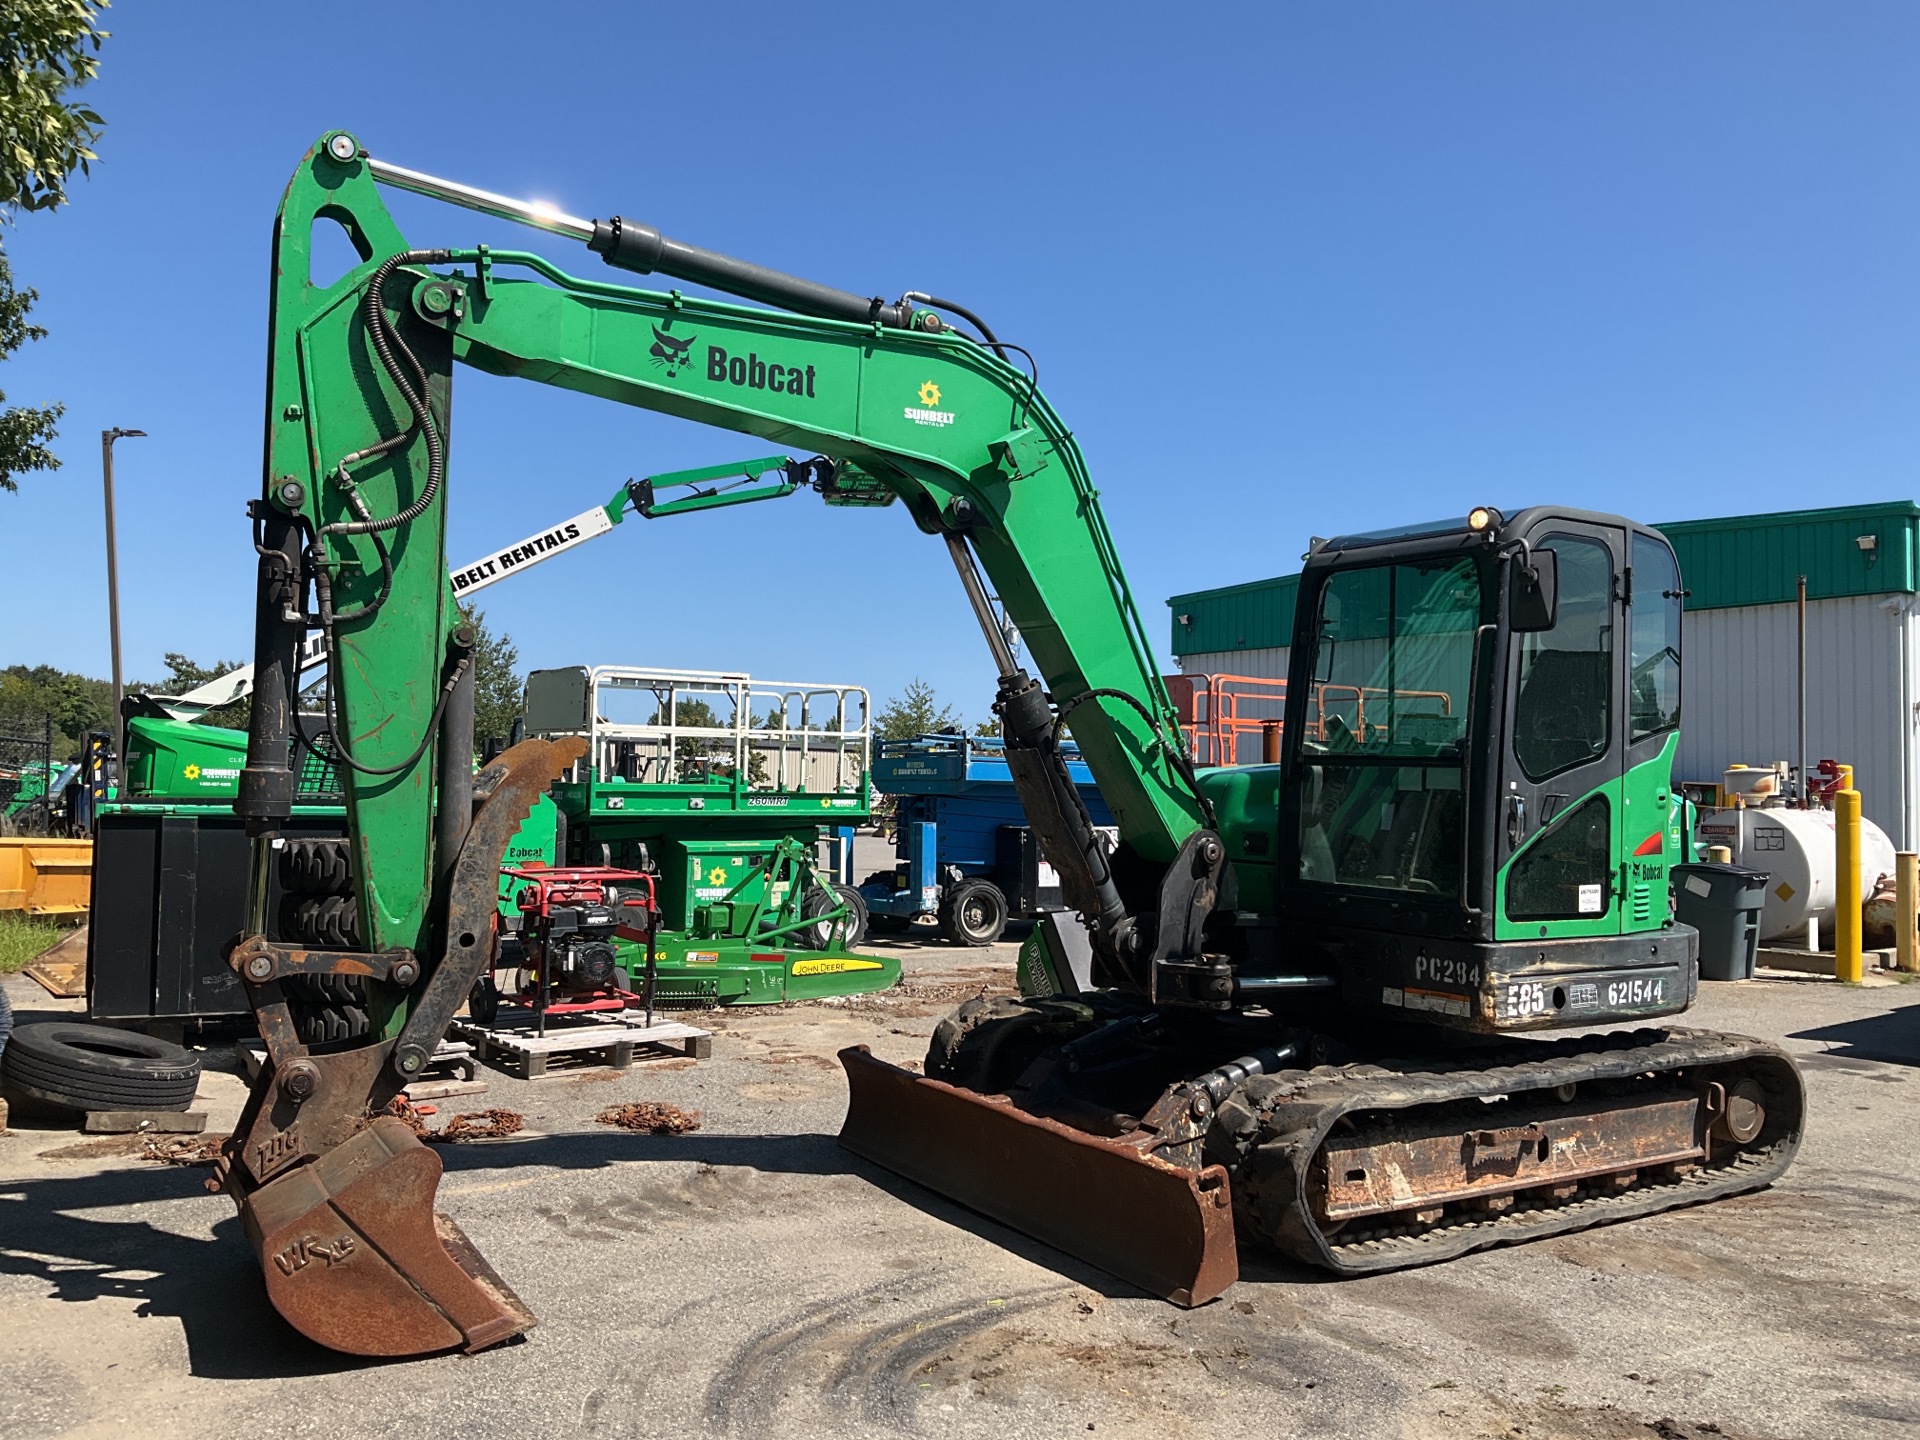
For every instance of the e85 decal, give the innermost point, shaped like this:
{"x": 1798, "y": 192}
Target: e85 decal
{"x": 1523, "y": 1001}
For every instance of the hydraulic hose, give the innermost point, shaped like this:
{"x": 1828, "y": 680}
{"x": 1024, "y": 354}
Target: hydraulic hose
{"x": 392, "y": 349}
{"x": 1182, "y": 762}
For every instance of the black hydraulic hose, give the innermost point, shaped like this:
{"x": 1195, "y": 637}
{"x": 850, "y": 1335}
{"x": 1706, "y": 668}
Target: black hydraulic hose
{"x": 1182, "y": 762}
{"x": 392, "y": 349}
{"x": 426, "y": 736}
{"x": 921, "y": 297}
{"x": 994, "y": 342}
{"x": 385, "y": 341}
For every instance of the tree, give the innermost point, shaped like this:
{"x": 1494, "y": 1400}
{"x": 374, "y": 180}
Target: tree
{"x": 77, "y": 704}
{"x": 690, "y": 753}
{"x": 497, "y": 681}
{"x": 988, "y": 727}
{"x": 25, "y": 430}
{"x": 47, "y": 49}
{"x": 913, "y": 713}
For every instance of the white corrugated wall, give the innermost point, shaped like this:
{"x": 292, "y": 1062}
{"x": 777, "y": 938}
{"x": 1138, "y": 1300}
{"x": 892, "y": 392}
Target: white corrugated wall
{"x": 1742, "y": 688}
{"x": 1863, "y": 691}
{"x": 1269, "y": 664}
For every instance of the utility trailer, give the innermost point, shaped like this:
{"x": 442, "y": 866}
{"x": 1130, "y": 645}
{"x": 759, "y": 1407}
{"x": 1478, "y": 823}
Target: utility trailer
{"x": 724, "y": 787}
{"x": 965, "y": 853}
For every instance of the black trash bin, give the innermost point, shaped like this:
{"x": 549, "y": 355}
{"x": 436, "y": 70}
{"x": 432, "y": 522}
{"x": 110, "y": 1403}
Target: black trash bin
{"x": 1722, "y": 902}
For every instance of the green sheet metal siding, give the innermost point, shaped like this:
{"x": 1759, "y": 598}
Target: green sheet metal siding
{"x": 1738, "y": 560}
{"x": 1757, "y": 559}
{"x": 1255, "y": 616}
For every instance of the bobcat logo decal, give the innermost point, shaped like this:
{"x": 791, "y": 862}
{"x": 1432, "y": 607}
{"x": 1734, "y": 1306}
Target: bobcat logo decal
{"x": 671, "y": 351}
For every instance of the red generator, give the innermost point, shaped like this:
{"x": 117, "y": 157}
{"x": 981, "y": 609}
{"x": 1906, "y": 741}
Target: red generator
{"x": 567, "y": 963}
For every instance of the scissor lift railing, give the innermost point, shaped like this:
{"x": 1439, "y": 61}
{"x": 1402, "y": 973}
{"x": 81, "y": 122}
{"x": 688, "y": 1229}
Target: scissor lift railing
{"x": 787, "y": 736}
{"x": 1237, "y": 719}
{"x": 1226, "y": 717}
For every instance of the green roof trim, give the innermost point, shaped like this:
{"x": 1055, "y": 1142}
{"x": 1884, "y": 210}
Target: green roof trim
{"x": 1758, "y": 559}
{"x": 1734, "y": 560}
{"x": 1255, "y": 616}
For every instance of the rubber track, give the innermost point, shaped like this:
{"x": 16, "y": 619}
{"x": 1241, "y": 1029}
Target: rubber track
{"x": 1269, "y": 1131}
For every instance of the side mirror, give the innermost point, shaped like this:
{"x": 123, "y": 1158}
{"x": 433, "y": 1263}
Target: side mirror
{"x": 1533, "y": 591}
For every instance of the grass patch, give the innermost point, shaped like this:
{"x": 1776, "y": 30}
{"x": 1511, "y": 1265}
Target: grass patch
{"x": 22, "y": 937}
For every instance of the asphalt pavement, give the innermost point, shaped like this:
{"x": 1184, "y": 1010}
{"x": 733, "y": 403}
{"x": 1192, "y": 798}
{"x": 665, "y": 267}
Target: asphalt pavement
{"x": 751, "y": 1278}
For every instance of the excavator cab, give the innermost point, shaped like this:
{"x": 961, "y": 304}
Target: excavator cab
{"x": 1476, "y": 811}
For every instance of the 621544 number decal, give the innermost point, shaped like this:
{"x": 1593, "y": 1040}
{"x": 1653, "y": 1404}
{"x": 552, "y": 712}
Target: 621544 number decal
{"x": 1636, "y": 992}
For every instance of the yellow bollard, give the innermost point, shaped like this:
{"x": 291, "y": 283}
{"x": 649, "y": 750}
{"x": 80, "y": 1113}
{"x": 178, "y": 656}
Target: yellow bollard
{"x": 1846, "y": 914}
{"x": 1906, "y": 891}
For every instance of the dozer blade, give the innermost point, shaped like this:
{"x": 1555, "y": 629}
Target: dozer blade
{"x": 356, "y": 1258}
{"x": 1165, "y": 1229}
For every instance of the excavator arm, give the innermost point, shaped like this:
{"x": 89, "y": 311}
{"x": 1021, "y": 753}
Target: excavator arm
{"x": 350, "y": 532}
{"x": 1107, "y": 1122}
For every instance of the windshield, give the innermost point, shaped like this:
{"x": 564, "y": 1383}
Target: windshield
{"x": 1392, "y": 660}
{"x": 1386, "y": 725}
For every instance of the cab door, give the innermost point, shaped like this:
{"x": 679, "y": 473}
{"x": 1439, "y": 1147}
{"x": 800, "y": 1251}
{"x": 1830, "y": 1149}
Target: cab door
{"x": 1558, "y": 824}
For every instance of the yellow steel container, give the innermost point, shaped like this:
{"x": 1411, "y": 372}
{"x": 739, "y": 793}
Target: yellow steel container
{"x": 46, "y": 877}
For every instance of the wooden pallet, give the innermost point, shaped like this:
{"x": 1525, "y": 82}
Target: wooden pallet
{"x": 452, "y": 1071}
{"x": 150, "y": 1122}
{"x": 522, "y": 1053}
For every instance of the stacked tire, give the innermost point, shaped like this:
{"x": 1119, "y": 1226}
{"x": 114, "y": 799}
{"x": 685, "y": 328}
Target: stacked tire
{"x": 91, "y": 1067}
{"x": 318, "y": 912}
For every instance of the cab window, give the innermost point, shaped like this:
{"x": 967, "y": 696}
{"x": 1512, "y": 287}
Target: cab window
{"x": 1561, "y": 719}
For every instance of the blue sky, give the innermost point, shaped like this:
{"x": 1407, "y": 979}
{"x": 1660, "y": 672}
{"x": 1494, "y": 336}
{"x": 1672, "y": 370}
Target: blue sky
{"x": 1288, "y": 269}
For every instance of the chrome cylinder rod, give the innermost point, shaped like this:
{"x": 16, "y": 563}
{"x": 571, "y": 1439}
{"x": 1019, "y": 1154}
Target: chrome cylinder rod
{"x": 523, "y": 212}
{"x": 982, "y": 606}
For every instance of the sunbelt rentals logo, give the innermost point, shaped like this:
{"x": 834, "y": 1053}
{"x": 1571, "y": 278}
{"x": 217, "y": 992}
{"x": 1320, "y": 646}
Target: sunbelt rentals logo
{"x": 928, "y": 411}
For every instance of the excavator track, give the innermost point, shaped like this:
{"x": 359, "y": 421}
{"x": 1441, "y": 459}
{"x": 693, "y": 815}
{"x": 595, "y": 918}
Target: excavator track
{"x": 1355, "y": 1168}
{"x": 1365, "y": 1168}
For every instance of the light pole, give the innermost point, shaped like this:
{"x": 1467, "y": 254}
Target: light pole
{"x": 107, "y": 437}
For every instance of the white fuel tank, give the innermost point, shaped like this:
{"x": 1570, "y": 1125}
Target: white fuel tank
{"x": 1796, "y": 848}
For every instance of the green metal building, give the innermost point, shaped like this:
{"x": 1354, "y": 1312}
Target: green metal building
{"x": 1742, "y": 572}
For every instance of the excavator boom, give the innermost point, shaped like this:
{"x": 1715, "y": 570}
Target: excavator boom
{"x": 1183, "y": 1041}
{"x": 350, "y": 529}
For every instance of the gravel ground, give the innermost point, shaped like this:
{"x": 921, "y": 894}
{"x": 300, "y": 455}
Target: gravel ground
{"x": 751, "y": 1278}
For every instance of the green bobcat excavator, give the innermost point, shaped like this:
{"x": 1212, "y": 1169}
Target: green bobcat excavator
{"x": 1289, "y": 1000}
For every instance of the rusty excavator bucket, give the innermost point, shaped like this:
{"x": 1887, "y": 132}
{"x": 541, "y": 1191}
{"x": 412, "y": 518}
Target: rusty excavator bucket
{"x": 336, "y": 1195}
{"x": 1106, "y": 1199}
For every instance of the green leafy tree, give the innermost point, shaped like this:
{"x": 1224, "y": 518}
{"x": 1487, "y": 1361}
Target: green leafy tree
{"x": 988, "y": 727}
{"x": 26, "y": 431}
{"x": 497, "y": 681}
{"x": 917, "y": 711}
{"x": 77, "y": 703}
{"x": 48, "y": 49}
{"x": 690, "y": 753}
